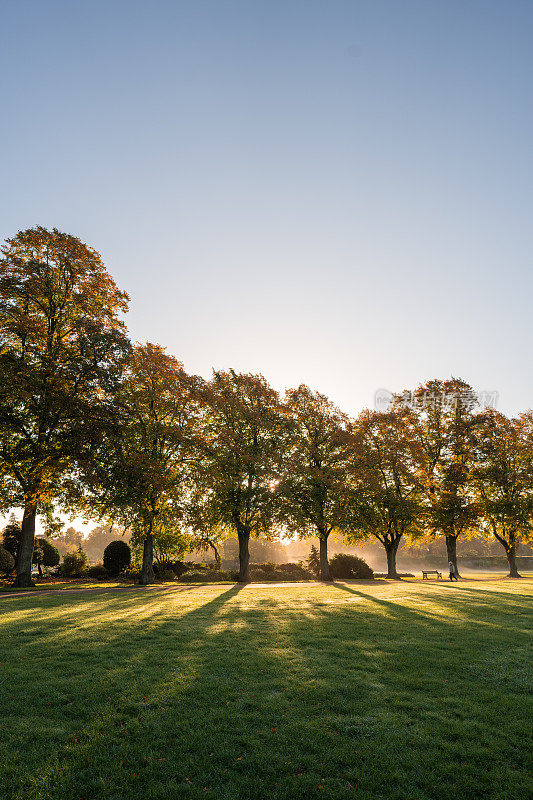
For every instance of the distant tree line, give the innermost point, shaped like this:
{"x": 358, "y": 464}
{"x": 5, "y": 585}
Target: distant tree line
{"x": 93, "y": 424}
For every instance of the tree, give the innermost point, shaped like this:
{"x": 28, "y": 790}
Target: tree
{"x": 7, "y": 562}
{"x": 240, "y": 444}
{"x": 171, "y": 542}
{"x": 137, "y": 475}
{"x": 440, "y": 420}
{"x": 312, "y": 491}
{"x": 385, "y": 491}
{"x": 45, "y": 554}
{"x": 504, "y": 480}
{"x": 313, "y": 561}
{"x": 11, "y": 537}
{"x": 117, "y": 555}
{"x": 61, "y": 346}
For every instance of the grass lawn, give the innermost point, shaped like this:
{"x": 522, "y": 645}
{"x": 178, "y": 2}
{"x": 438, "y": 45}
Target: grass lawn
{"x": 357, "y": 690}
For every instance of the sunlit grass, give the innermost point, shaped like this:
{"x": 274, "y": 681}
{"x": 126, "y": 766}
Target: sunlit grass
{"x": 385, "y": 690}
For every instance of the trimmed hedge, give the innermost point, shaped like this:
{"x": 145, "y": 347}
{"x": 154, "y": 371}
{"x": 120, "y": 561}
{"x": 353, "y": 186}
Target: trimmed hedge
{"x": 117, "y": 555}
{"x": 279, "y": 572}
{"x": 344, "y": 565}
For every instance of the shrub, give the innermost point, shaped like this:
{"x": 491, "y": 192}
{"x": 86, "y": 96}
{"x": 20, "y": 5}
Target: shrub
{"x": 117, "y": 555}
{"x": 279, "y": 572}
{"x": 344, "y": 565}
{"x": 45, "y": 554}
{"x": 7, "y": 562}
{"x": 74, "y": 563}
{"x": 167, "y": 575}
{"x": 212, "y": 576}
{"x": 178, "y": 567}
{"x": 198, "y": 566}
{"x": 11, "y": 537}
{"x": 97, "y": 571}
{"x": 130, "y": 573}
{"x": 400, "y": 575}
{"x": 293, "y": 572}
{"x": 181, "y": 567}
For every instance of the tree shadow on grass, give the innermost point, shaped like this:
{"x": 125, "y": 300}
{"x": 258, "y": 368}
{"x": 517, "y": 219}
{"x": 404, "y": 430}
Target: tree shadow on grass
{"x": 237, "y": 699}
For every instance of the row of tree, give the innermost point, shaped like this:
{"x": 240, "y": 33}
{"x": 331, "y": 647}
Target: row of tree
{"x": 94, "y": 424}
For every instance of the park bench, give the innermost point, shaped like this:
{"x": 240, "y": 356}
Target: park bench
{"x": 426, "y": 572}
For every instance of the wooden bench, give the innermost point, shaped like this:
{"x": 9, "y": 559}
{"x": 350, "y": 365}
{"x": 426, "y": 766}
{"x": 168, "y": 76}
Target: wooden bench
{"x": 426, "y": 572}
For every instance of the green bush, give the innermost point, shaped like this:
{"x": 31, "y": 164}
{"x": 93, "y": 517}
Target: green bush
{"x": 11, "y": 537}
{"x": 212, "y": 576}
{"x": 279, "y": 572}
{"x": 45, "y": 554}
{"x": 178, "y": 567}
{"x": 167, "y": 575}
{"x": 400, "y": 575}
{"x": 344, "y": 565}
{"x": 74, "y": 563}
{"x": 117, "y": 555}
{"x": 7, "y": 562}
{"x": 97, "y": 571}
{"x": 131, "y": 573}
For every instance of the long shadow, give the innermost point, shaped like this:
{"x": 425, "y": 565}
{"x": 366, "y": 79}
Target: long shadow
{"x": 126, "y": 669}
{"x": 397, "y": 609}
{"x": 217, "y": 697}
{"x": 506, "y": 603}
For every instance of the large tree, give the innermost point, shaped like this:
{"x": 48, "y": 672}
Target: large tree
{"x": 441, "y": 420}
{"x": 137, "y": 474}
{"x": 241, "y": 440}
{"x": 385, "y": 489}
{"x": 312, "y": 491}
{"x": 61, "y": 344}
{"x": 504, "y": 480}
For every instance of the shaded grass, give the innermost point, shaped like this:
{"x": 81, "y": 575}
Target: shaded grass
{"x": 366, "y": 690}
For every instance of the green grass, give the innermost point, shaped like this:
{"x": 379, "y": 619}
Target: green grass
{"x": 364, "y": 690}
{"x": 6, "y": 586}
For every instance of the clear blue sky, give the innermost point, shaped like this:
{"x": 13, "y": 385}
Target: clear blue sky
{"x": 338, "y": 193}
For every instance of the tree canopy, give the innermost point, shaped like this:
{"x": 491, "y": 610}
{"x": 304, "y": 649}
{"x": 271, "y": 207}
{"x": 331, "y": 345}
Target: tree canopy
{"x": 62, "y": 343}
{"x": 90, "y": 422}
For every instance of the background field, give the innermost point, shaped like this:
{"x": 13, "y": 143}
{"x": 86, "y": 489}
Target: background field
{"x": 366, "y": 690}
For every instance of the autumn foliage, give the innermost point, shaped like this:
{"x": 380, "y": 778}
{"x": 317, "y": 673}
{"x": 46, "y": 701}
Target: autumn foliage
{"x": 91, "y": 423}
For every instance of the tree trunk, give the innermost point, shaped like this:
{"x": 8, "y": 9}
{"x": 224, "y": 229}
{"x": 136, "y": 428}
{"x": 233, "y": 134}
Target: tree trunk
{"x": 147, "y": 572}
{"x": 324, "y": 563}
{"x": 27, "y": 542}
{"x": 218, "y": 560}
{"x": 391, "y": 548}
{"x": 244, "y": 557}
{"x": 510, "y": 552}
{"x": 451, "y": 549}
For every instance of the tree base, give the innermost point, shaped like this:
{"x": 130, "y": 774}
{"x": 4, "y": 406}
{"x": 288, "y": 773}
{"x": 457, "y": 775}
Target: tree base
{"x": 23, "y": 582}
